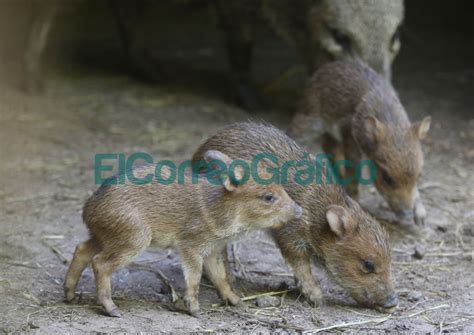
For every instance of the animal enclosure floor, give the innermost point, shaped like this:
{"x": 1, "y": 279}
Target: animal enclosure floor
{"x": 47, "y": 148}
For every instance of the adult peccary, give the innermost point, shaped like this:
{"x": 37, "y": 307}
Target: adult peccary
{"x": 321, "y": 31}
{"x": 360, "y": 113}
{"x": 195, "y": 218}
{"x": 351, "y": 245}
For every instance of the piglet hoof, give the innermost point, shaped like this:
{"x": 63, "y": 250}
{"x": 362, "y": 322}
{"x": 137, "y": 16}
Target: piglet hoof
{"x": 195, "y": 313}
{"x": 420, "y": 213}
{"x": 69, "y": 295}
{"x": 315, "y": 298}
{"x": 241, "y": 306}
{"x": 193, "y": 308}
{"x": 233, "y": 299}
{"x": 409, "y": 227}
{"x": 116, "y": 313}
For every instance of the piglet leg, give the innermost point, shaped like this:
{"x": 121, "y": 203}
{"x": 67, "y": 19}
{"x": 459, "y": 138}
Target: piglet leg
{"x": 301, "y": 265}
{"x": 419, "y": 210}
{"x": 192, "y": 268}
{"x": 215, "y": 268}
{"x": 103, "y": 268}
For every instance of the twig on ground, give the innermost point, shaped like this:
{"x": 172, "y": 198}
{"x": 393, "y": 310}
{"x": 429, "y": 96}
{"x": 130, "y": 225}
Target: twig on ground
{"x": 279, "y": 274}
{"x": 76, "y": 306}
{"x": 376, "y": 320}
{"x": 446, "y": 254}
{"x": 32, "y": 298}
{"x": 428, "y": 185}
{"x": 424, "y": 311}
{"x": 275, "y": 323}
{"x": 348, "y": 324}
{"x": 27, "y": 198}
{"x": 52, "y": 278}
{"x": 174, "y": 295}
{"x": 255, "y": 296}
{"x": 56, "y": 251}
{"x": 52, "y": 237}
{"x": 434, "y": 265}
{"x": 24, "y": 264}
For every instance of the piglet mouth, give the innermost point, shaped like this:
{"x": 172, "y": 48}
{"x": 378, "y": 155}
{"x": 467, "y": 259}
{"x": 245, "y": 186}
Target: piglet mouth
{"x": 389, "y": 306}
{"x": 405, "y": 217}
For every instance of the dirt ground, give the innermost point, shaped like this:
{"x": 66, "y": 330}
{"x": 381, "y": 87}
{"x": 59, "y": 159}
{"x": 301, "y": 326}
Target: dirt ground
{"x": 47, "y": 148}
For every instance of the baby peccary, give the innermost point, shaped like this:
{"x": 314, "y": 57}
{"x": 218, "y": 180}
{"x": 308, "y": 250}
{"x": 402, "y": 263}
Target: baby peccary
{"x": 360, "y": 113}
{"x": 196, "y": 219}
{"x": 348, "y": 242}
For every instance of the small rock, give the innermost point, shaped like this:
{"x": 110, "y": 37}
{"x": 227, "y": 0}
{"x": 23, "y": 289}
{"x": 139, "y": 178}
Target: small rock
{"x": 33, "y": 325}
{"x": 419, "y": 253}
{"x": 442, "y": 229}
{"x": 414, "y": 296}
{"x": 269, "y": 301}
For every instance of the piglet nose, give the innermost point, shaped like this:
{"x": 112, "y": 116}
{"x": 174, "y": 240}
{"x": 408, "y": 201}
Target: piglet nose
{"x": 405, "y": 217}
{"x": 298, "y": 211}
{"x": 391, "y": 302}
{"x": 405, "y": 214}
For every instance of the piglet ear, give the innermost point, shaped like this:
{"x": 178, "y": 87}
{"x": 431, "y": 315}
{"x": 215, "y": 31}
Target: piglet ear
{"x": 421, "y": 128}
{"x": 215, "y": 155}
{"x": 338, "y": 220}
{"x": 375, "y": 128}
{"x": 216, "y": 159}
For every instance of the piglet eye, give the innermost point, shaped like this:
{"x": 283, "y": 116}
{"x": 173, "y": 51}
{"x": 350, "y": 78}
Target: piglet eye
{"x": 369, "y": 266}
{"x": 387, "y": 179}
{"x": 269, "y": 197}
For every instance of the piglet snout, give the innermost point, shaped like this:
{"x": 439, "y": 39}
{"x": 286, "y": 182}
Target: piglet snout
{"x": 391, "y": 302}
{"x": 405, "y": 217}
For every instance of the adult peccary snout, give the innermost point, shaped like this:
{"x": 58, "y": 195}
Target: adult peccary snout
{"x": 197, "y": 219}
{"x": 349, "y": 243}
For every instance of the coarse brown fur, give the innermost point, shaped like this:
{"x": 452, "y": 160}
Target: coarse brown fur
{"x": 327, "y": 30}
{"x": 197, "y": 219}
{"x": 321, "y": 31}
{"x": 333, "y": 227}
{"x": 362, "y": 114}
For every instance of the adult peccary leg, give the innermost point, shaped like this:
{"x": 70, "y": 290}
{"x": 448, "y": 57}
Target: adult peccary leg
{"x": 128, "y": 15}
{"x": 236, "y": 19}
{"x": 43, "y": 15}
